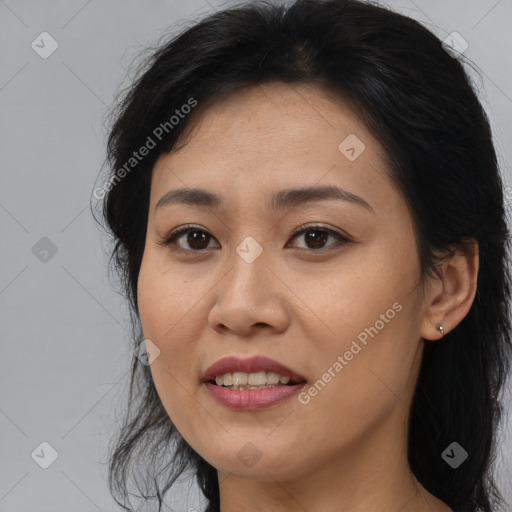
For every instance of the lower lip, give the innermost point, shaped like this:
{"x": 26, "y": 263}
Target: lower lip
{"x": 252, "y": 399}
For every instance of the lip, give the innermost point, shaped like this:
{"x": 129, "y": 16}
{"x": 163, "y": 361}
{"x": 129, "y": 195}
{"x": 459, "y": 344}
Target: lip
{"x": 251, "y": 399}
{"x": 249, "y": 365}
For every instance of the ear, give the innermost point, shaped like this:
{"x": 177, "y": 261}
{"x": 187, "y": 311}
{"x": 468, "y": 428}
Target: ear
{"x": 449, "y": 298}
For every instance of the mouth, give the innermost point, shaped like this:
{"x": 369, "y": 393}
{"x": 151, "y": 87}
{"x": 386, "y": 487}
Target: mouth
{"x": 251, "y": 373}
{"x": 253, "y": 380}
{"x": 252, "y": 383}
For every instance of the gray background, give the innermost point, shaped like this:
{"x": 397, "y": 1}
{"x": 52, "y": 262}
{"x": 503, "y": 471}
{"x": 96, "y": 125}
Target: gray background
{"x": 65, "y": 351}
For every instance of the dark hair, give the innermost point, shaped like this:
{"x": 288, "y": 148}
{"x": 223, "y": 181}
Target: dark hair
{"x": 417, "y": 99}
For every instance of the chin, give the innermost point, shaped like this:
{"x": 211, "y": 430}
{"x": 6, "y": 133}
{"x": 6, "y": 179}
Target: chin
{"x": 265, "y": 465}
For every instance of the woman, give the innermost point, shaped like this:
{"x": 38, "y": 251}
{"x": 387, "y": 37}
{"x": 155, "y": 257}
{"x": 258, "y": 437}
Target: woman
{"x": 308, "y": 216}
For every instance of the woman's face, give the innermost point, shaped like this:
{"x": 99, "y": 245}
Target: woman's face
{"x": 341, "y": 309}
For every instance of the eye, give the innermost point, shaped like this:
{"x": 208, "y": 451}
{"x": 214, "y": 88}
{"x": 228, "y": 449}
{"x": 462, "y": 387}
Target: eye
{"x": 197, "y": 238}
{"x": 316, "y": 236}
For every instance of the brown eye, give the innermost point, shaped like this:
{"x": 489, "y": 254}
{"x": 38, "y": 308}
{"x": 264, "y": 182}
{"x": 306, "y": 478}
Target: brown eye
{"x": 192, "y": 238}
{"x": 196, "y": 239}
{"x": 315, "y": 237}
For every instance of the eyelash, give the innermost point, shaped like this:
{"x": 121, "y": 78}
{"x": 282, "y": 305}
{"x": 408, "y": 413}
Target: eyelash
{"x": 173, "y": 236}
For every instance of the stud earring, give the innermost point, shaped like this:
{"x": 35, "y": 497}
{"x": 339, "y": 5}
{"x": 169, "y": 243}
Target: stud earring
{"x": 440, "y": 328}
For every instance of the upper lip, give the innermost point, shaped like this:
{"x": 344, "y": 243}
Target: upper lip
{"x": 252, "y": 364}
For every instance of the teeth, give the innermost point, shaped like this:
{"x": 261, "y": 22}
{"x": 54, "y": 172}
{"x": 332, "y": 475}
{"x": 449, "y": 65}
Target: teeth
{"x": 273, "y": 378}
{"x": 257, "y": 379}
{"x": 239, "y": 378}
{"x": 251, "y": 380}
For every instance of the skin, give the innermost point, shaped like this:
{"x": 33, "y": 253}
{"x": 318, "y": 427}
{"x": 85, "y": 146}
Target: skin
{"x": 346, "y": 448}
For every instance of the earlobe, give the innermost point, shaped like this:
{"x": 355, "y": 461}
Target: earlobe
{"x": 433, "y": 330}
{"x": 450, "y": 297}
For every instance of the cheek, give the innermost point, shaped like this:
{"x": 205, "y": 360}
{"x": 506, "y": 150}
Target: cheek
{"x": 344, "y": 299}
{"x": 164, "y": 297}
{"x": 163, "y": 312}
{"x": 171, "y": 371}
{"x": 367, "y": 314}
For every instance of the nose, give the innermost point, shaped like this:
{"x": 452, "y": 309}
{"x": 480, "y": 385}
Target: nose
{"x": 250, "y": 297}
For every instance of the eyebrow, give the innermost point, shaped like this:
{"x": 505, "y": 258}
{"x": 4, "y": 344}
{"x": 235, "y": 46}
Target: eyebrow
{"x": 280, "y": 200}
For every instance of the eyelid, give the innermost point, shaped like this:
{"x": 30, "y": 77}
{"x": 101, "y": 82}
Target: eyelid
{"x": 173, "y": 235}
{"x": 312, "y": 225}
{"x": 344, "y": 239}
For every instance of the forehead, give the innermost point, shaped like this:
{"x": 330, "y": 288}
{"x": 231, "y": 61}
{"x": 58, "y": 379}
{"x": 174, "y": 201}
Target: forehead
{"x": 275, "y": 136}
{"x": 277, "y": 115}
